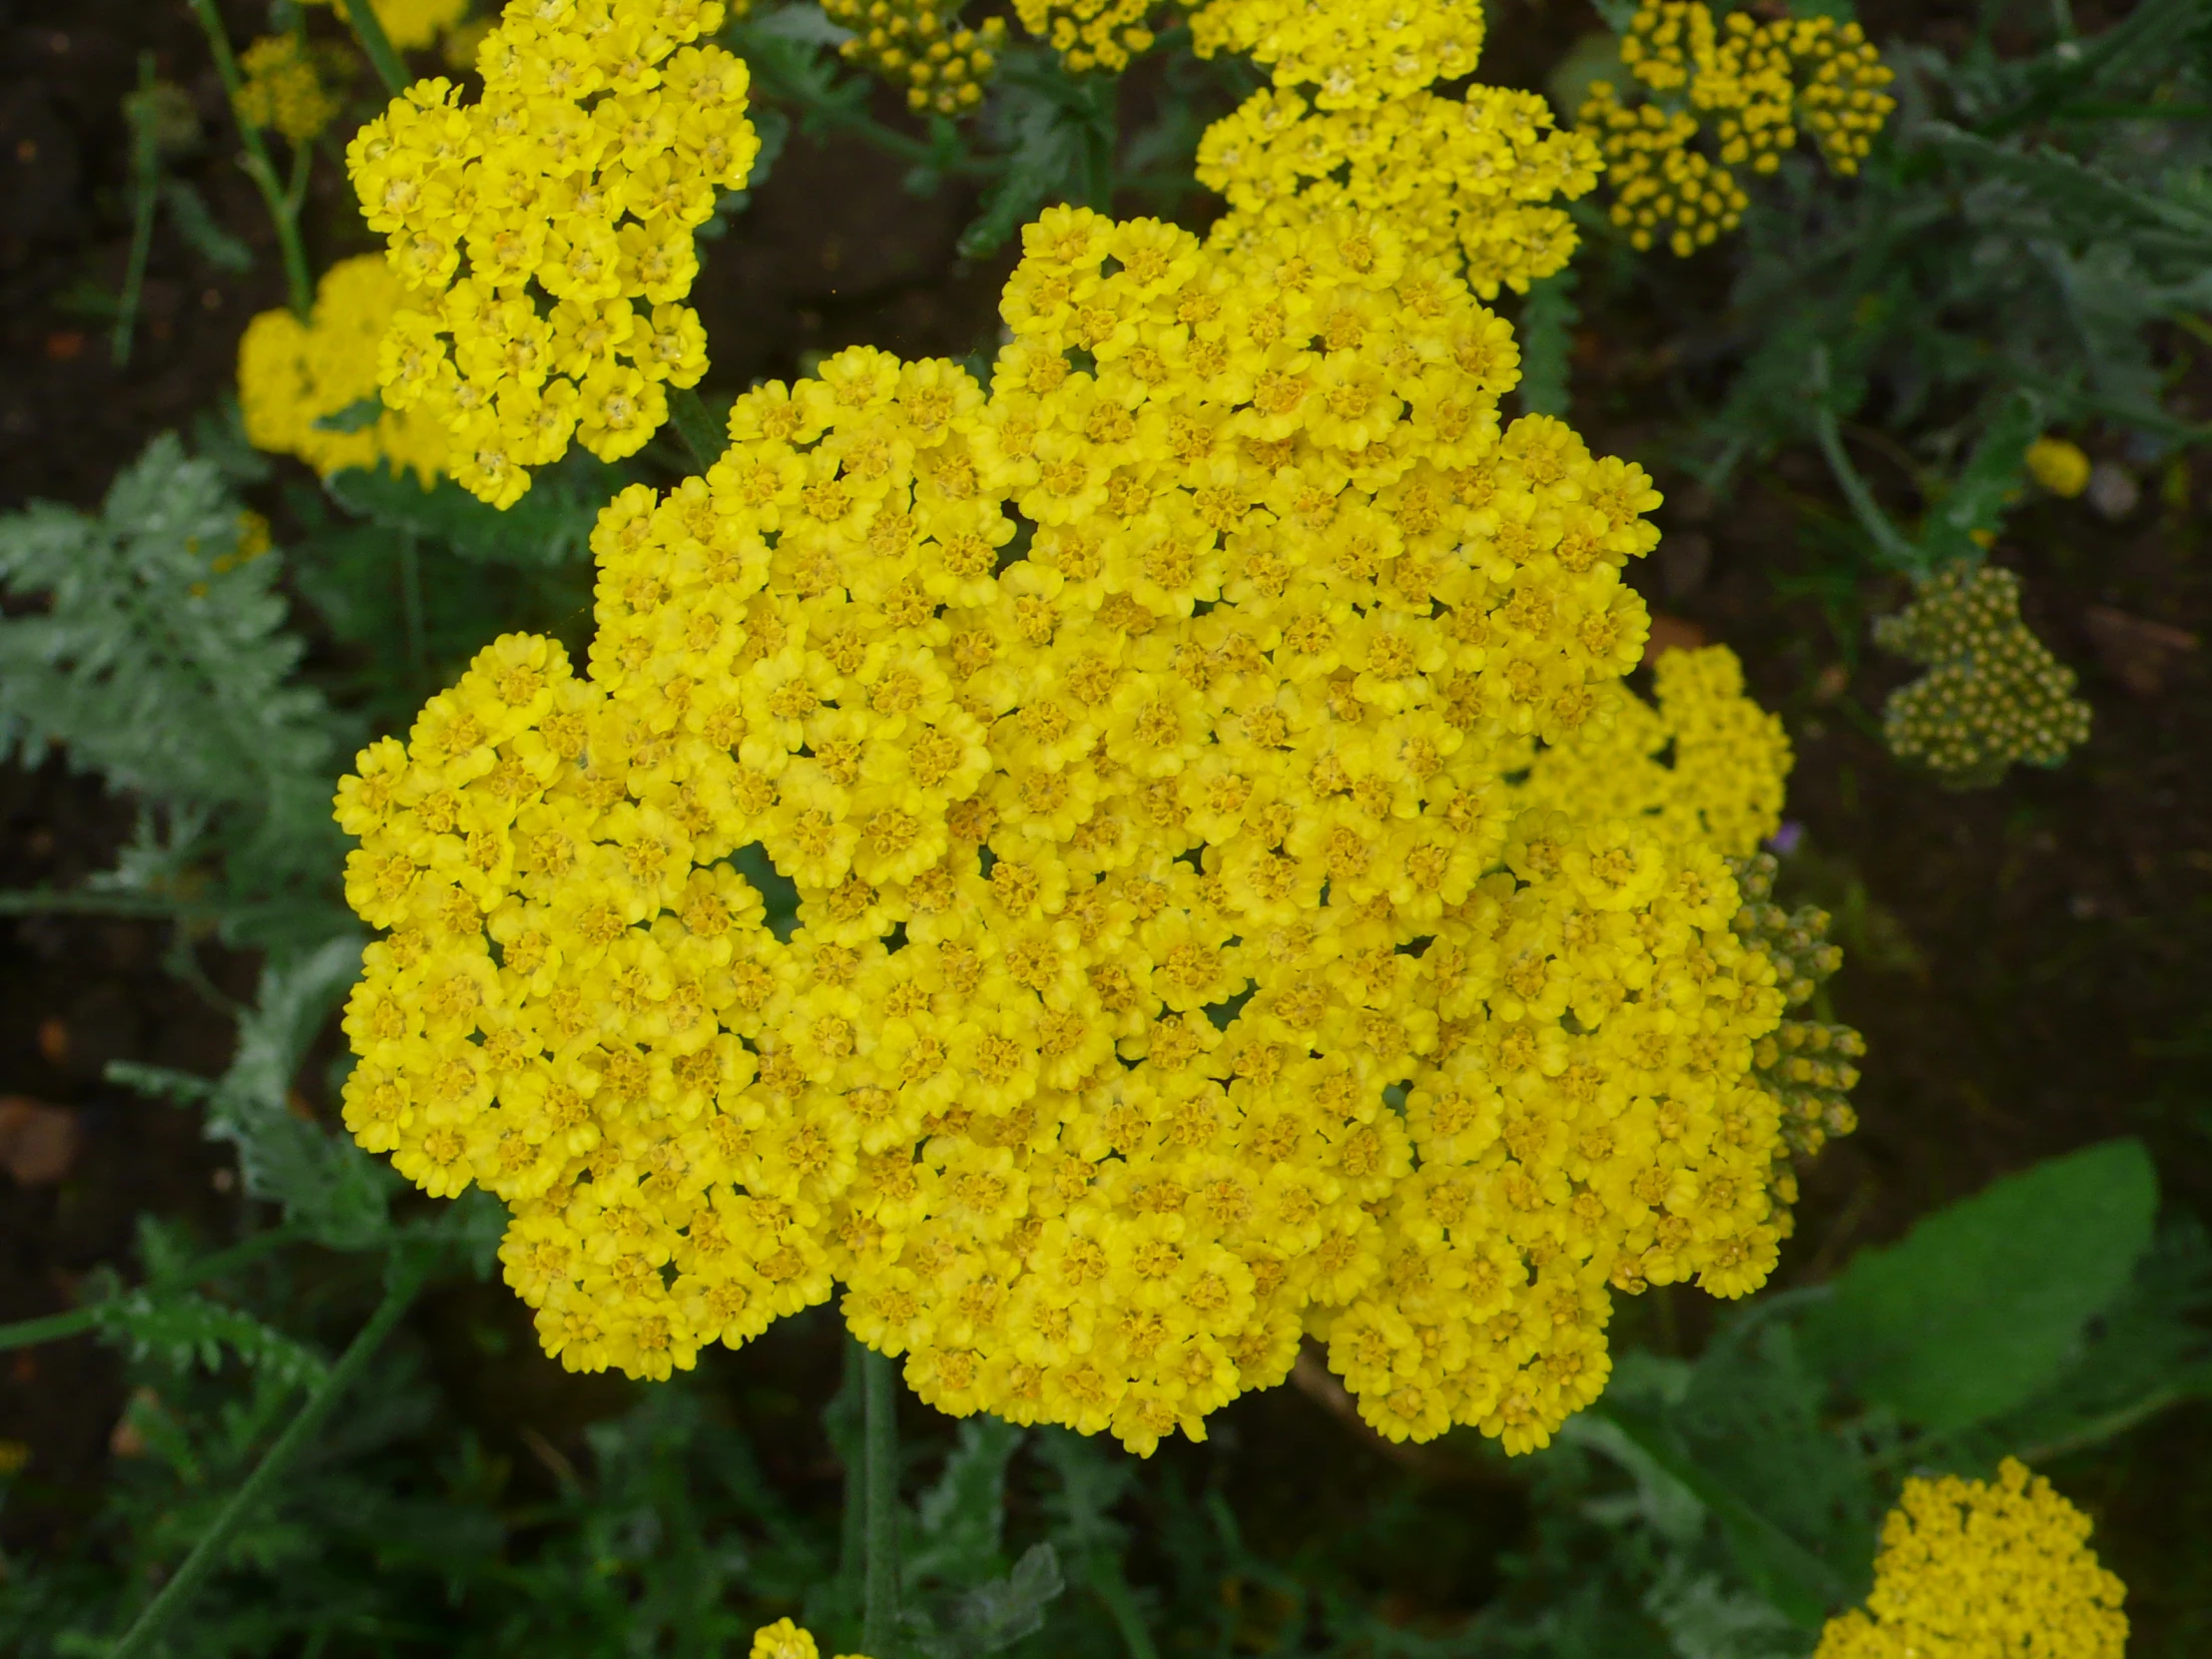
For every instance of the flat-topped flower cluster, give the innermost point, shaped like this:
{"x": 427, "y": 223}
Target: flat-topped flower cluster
{"x": 546, "y": 231}
{"x": 1202, "y": 937}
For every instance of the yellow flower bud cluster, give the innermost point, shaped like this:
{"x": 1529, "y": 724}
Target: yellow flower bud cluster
{"x": 1974, "y": 1569}
{"x": 1193, "y": 949}
{"x": 281, "y": 89}
{"x": 2059, "y": 466}
{"x": 1091, "y": 34}
{"x": 580, "y": 175}
{"x": 786, "y": 1640}
{"x": 409, "y": 24}
{"x": 293, "y": 374}
{"x": 1473, "y": 176}
{"x": 920, "y": 45}
{"x": 1752, "y": 83}
{"x": 1993, "y": 696}
{"x": 1805, "y": 1064}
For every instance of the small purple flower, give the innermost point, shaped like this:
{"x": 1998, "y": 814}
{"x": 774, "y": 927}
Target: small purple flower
{"x": 1783, "y": 841}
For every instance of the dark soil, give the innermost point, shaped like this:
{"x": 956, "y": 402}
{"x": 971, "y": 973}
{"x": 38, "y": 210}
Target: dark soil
{"x": 2028, "y": 963}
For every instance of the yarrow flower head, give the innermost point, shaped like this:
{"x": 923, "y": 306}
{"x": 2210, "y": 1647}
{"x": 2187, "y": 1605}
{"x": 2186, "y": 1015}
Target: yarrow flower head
{"x": 282, "y": 89}
{"x": 786, "y": 1640}
{"x": 1102, "y": 34}
{"x": 294, "y": 377}
{"x": 1198, "y": 941}
{"x": 546, "y": 229}
{"x": 1972, "y": 1569}
{"x": 1351, "y": 124}
{"x": 1993, "y": 696}
{"x": 1750, "y": 85}
{"x": 922, "y": 45}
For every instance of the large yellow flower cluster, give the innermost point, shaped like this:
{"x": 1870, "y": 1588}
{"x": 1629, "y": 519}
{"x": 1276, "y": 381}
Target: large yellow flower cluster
{"x": 1752, "y": 83}
{"x": 595, "y": 151}
{"x": 1972, "y": 1569}
{"x": 1473, "y": 176}
{"x": 1177, "y": 967}
{"x": 1994, "y": 695}
{"x": 922, "y": 45}
{"x": 294, "y": 377}
{"x": 282, "y": 89}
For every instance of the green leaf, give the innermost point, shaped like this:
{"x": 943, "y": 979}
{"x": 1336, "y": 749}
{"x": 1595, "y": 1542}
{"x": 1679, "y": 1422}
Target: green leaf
{"x": 1000, "y": 1613}
{"x": 197, "y": 227}
{"x": 357, "y": 417}
{"x": 1982, "y": 1304}
{"x": 178, "y": 1326}
{"x": 1961, "y": 524}
{"x": 551, "y": 525}
{"x": 1548, "y": 323}
{"x": 961, "y": 1519}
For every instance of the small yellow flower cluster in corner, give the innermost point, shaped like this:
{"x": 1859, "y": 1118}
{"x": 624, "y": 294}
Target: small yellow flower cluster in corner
{"x": 1472, "y": 176}
{"x": 1752, "y": 84}
{"x": 281, "y": 89}
{"x": 1204, "y": 934}
{"x": 596, "y": 150}
{"x": 786, "y": 1640}
{"x": 920, "y": 45}
{"x": 1091, "y": 34}
{"x": 1994, "y": 695}
{"x": 2059, "y": 466}
{"x": 293, "y": 374}
{"x": 409, "y": 24}
{"x": 1974, "y": 1569}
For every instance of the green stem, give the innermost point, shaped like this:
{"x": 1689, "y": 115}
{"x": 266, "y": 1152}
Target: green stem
{"x": 1100, "y": 141}
{"x": 852, "y": 1551}
{"x": 146, "y": 907}
{"x": 208, "y": 1553}
{"x": 411, "y": 608}
{"x": 368, "y": 29}
{"x": 1892, "y": 546}
{"x": 54, "y": 1326}
{"x": 880, "y": 1478}
{"x": 695, "y": 426}
{"x": 1110, "y": 1587}
{"x": 145, "y": 190}
{"x": 257, "y": 164}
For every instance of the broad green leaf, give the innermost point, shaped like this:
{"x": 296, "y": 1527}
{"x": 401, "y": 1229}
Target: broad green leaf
{"x": 1982, "y": 1304}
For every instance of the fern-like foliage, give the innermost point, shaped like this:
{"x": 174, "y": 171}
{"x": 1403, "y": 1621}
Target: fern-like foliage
{"x": 148, "y": 644}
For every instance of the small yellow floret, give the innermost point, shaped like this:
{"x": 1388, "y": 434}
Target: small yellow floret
{"x": 2059, "y": 466}
{"x": 281, "y": 89}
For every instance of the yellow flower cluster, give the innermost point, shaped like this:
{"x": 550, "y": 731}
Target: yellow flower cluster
{"x": 2059, "y": 466}
{"x": 1752, "y": 83}
{"x": 409, "y": 24}
{"x": 1091, "y": 34}
{"x": 786, "y": 1640}
{"x": 294, "y": 377}
{"x": 1972, "y": 1569}
{"x": 1177, "y": 967}
{"x": 594, "y": 153}
{"x": 281, "y": 89}
{"x": 1993, "y": 696}
{"x": 1365, "y": 133}
{"x": 918, "y": 44}
{"x": 1805, "y": 1064}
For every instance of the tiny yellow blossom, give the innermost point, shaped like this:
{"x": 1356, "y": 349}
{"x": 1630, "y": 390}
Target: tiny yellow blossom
{"x": 409, "y": 24}
{"x": 2059, "y": 466}
{"x": 1972, "y": 1569}
{"x": 292, "y": 376}
{"x": 786, "y": 1640}
{"x": 1225, "y": 913}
